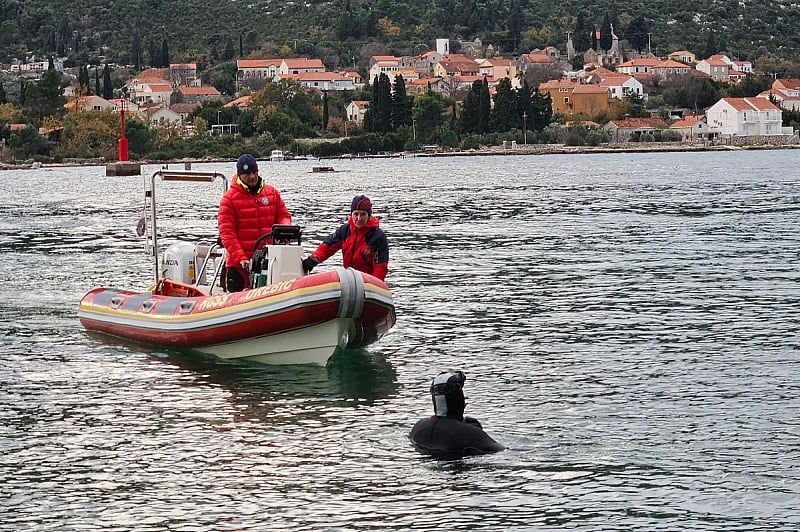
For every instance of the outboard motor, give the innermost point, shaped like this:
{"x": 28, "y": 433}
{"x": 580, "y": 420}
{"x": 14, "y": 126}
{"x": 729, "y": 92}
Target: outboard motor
{"x": 178, "y": 263}
{"x": 280, "y": 261}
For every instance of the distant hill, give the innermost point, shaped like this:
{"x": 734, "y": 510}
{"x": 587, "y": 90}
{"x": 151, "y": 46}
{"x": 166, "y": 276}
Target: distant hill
{"x": 345, "y": 31}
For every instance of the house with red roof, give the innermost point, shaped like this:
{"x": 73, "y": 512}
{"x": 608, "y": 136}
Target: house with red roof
{"x": 260, "y": 69}
{"x": 630, "y": 128}
{"x": 572, "y": 98}
{"x": 199, "y": 94}
{"x": 300, "y": 65}
{"x": 243, "y": 102}
{"x": 691, "y": 127}
{"x": 717, "y": 67}
{"x": 456, "y": 65}
{"x": 746, "y": 117}
{"x": 183, "y": 74}
{"x": 785, "y": 91}
{"x": 89, "y": 103}
{"x": 683, "y": 56}
{"x": 356, "y": 111}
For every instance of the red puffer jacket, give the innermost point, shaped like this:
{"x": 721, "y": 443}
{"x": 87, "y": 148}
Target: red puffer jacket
{"x": 245, "y": 216}
{"x": 365, "y": 249}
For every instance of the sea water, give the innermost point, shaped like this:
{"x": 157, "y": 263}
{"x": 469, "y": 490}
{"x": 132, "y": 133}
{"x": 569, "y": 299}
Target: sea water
{"x": 628, "y": 325}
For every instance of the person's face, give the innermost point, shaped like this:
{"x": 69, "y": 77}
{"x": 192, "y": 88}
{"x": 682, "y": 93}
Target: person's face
{"x": 249, "y": 179}
{"x": 359, "y": 218}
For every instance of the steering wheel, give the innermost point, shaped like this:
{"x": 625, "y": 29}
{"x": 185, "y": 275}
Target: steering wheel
{"x": 258, "y": 260}
{"x": 260, "y": 239}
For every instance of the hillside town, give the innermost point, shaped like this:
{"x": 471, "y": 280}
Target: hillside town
{"x": 610, "y": 94}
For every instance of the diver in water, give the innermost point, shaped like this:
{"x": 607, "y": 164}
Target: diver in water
{"x": 448, "y": 432}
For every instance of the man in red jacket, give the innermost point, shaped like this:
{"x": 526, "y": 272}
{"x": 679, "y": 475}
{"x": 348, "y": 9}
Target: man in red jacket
{"x": 363, "y": 243}
{"x": 248, "y": 210}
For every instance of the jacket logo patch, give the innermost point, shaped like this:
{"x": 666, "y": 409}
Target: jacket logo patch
{"x": 264, "y": 201}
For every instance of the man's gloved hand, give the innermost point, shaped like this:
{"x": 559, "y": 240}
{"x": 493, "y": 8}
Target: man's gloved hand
{"x": 309, "y": 263}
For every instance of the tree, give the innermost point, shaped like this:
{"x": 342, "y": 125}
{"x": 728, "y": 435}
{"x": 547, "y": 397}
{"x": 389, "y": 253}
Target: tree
{"x": 136, "y": 50}
{"x": 606, "y": 38}
{"x": 3, "y": 97}
{"x": 324, "y": 110}
{"x": 514, "y": 23}
{"x": 711, "y": 44}
{"x": 45, "y": 97}
{"x": 541, "y": 111}
{"x": 108, "y": 87}
{"x": 503, "y": 115}
{"x": 97, "y": 83}
{"x": 401, "y": 104}
{"x": 228, "y": 53}
{"x": 382, "y": 105}
{"x": 429, "y": 115}
{"x": 470, "y": 109}
{"x": 165, "y": 60}
{"x": 154, "y": 52}
{"x": 524, "y": 105}
{"x": 484, "y": 107}
{"x": 750, "y": 86}
{"x": 637, "y": 33}
{"x": 582, "y": 38}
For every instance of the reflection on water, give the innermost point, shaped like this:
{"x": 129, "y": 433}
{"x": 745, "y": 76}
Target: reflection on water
{"x": 628, "y": 325}
{"x": 351, "y": 375}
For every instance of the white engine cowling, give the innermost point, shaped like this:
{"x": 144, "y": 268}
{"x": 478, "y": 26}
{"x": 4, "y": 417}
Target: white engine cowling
{"x": 178, "y": 263}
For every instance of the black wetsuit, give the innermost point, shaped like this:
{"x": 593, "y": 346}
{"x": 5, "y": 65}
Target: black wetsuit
{"x": 439, "y": 435}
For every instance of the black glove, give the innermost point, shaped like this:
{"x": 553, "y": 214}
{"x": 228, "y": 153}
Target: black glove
{"x": 309, "y": 263}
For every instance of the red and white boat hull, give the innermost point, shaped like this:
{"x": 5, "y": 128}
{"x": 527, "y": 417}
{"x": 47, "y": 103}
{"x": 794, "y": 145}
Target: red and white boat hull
{"x": 299, "y": 321}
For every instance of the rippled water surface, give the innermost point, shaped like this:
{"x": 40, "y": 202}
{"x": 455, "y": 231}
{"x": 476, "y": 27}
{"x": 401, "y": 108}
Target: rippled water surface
{"x": 628, "y": 325}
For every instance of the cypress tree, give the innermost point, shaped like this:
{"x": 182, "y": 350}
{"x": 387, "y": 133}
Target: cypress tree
{"x": 369, "y": 115}
{"x": 581, "y": 39}
{"x": 503, "y": 115}
{"x": 108, "y": 87}
{"x": 401, "y": 104}
{"x": 541, "y": 111}
{"x": 484, "y": 107}
{"x": 97, "y": 83}
{"x": 3, "y": 97}
{"x": 23, "y": 87}
{"x": 241, "y": 45}
{"x": 136, "y": 50}
{"x": 383, "y": 118}
{"x": 471, "y": 108}
{"x": 711, "y": 44}
{"x": 50, "y": 65}
{"x": 524, "y": 113}
{"x": 606, "y": 38}
{"x": 165, "y": 61}
{"x": 155, "y": 53}
{"x": 324, "y": 110}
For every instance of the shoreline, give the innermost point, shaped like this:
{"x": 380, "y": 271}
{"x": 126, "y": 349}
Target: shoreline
{"x": 534, "y": 149}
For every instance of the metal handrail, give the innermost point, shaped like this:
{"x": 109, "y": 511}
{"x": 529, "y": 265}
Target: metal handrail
{"x": 173, "y": 175}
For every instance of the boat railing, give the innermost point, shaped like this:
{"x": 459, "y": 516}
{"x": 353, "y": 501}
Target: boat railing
{"x": 207, "y": 252}
{"x": 150, "y": 201}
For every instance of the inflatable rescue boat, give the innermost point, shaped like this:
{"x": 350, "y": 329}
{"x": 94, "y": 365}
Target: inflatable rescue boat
{"x": 286, "y": 318}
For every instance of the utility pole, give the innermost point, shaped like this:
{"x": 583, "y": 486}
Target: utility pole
{"x": 525, "y": 127}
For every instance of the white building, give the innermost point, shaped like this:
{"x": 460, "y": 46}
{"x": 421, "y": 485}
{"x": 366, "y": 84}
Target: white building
{"x": 745, "y": 117}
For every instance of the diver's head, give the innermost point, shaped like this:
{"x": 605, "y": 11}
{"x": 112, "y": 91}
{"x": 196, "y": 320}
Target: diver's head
{"x": 447, "y": 390}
